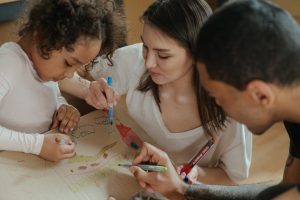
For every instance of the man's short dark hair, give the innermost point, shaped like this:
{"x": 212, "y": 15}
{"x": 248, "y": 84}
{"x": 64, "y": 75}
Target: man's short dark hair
{"x": 249, "y": 40}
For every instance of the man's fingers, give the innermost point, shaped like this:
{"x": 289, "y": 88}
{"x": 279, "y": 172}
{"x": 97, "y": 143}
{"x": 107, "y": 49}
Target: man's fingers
{"x": 139, "y": 174}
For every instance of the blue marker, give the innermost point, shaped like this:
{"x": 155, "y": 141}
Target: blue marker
{"x": 110, "y": 109}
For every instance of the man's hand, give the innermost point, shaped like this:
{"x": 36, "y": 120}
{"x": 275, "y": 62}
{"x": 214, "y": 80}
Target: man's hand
{"x": 167, "y": 183}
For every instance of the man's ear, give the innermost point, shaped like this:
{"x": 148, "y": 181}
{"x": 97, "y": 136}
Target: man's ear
{"x": 261, "y": 93}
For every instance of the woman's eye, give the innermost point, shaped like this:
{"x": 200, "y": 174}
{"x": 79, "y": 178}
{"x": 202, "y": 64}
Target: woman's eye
{"x": 163, "y": 57}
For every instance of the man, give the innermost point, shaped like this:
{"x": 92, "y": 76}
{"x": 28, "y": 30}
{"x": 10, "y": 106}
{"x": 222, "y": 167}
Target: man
{"x": 248, "y": 57}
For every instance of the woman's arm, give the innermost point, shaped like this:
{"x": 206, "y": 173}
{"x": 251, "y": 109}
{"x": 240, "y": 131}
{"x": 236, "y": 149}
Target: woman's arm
{"x": 75, "y": 86}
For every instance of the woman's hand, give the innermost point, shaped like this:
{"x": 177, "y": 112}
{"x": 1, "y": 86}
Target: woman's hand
{"x": 65, "y": 118}
{"x": 100, "y": 95}
{"x": 57, "y": 147}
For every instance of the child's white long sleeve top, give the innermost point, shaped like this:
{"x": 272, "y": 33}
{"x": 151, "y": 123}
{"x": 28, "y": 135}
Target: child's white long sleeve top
{"x": 27, "y": 104}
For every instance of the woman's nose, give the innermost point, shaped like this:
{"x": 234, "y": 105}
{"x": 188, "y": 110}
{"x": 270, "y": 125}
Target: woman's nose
{"x": 150, "y": 61}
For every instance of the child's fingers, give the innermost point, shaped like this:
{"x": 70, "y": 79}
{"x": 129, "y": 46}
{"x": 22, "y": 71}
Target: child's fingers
{"x": 68, "y": 155}
{"x": 68, "y": 148}
{"x": 55, "y": 123}
{"x": 61, "y": 112}
{"x": 70, "y": 120}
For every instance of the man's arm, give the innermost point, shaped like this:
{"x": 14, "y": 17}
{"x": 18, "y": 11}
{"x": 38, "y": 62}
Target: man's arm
{"x": 171, "y": 185}
{"x": 217, "y": 192}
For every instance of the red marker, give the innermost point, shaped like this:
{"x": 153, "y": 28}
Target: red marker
{"x": 188, "y": 166}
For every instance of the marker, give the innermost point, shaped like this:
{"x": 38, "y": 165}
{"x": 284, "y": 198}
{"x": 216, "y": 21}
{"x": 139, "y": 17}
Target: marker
{"x": 130, "y": 138}
{"x": 110, "y": 108}
{"x": 196, "y": 158}
{"x": 152, "y": 168}
{"x": 62, "y": 141}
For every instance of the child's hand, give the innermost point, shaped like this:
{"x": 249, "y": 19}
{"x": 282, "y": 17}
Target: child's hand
{"x": 193, "y": 175}
{"x": 65, "y": 118}
{"x": 100, "y": 95}
{"x": 57, "y": 147}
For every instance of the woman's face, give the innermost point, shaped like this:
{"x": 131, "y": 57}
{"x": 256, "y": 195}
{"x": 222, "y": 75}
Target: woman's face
{"x": 165, "y": 59}
{"x": 64, "y": 63}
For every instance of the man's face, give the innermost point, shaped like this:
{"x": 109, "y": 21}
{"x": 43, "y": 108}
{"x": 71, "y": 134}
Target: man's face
{"x": 242, "y": 106}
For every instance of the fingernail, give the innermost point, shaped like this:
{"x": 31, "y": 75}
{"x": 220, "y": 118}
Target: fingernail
{"x": 131, "y": 170}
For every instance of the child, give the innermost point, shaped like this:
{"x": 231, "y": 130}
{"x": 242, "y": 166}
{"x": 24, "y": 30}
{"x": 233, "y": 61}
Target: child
{"x": 164, "y": 94}
{"x": 58, "y": 37}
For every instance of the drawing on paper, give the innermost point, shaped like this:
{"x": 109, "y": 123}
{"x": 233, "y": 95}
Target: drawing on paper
{"x": 92, "y": 174}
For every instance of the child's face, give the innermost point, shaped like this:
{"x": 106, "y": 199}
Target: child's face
{"x": 64, "y": 63}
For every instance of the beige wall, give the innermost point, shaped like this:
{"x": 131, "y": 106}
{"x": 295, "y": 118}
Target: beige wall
{"x": 8, "y": 31}
{"x": 293, "y": 6}
{"x": 133, "y": 10}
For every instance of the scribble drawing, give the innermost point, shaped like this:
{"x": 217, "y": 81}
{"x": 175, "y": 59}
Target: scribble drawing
{"x": 83, "y": 158}
{"x": 102, "y": 120}
{"x": 83, "y": 131}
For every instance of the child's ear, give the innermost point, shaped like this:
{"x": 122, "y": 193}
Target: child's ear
{"x": 261, "y": 93}
{"x": 35, "y": 37}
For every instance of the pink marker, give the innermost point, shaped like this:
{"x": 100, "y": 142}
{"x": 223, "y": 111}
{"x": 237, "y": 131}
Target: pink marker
{"x": 129, "y": 137}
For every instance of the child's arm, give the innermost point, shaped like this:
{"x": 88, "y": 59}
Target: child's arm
{"x": 48, "y": 146}
{"x": 11, "y": 140}
{"x": 66, "y": 116}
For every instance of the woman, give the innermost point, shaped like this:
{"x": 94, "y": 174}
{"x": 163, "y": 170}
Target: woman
{"x": 163, "y": 93}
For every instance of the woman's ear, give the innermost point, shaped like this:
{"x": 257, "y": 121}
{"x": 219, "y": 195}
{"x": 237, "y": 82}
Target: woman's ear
{"x": 261, "y": 93}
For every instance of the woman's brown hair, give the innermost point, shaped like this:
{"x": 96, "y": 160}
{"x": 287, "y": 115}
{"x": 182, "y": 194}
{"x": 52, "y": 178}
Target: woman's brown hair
{"x": 182, "y": 20}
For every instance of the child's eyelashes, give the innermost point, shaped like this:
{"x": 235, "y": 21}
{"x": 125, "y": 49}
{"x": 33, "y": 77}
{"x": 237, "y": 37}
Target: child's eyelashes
{"x": 67, "y": 64}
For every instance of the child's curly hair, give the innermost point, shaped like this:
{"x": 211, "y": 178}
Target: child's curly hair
{"x": 60, "y": 23}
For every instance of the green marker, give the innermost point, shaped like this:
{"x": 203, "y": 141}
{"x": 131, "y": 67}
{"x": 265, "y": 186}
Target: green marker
{"x": 153, "y": 168}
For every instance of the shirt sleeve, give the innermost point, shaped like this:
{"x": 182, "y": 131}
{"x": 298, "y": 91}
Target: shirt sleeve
{"x": 60, "y": 99}
{"x": 293, "y": 130}
{"x": 55, "y": 88}
{"x": 11, "y": 140}
{"x": 125, "y": 61}
{"x": 236, "y": 153}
